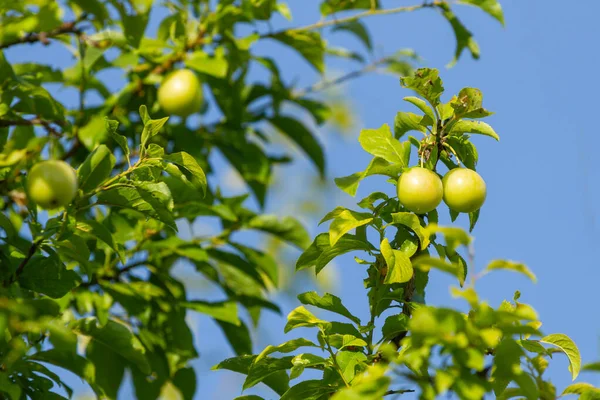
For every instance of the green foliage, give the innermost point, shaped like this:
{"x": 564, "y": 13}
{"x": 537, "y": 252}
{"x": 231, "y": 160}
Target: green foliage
{"x": 89, "y": 288}
{"x": 407, "y": 345}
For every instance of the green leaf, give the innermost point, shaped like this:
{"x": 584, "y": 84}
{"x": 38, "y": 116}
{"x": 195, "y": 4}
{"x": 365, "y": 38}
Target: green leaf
{"x": 151, "y": 126}
{"x": 216, "y": 66}
{"x": 464, "y": 38}
{"x": 368, "y": 201}
{"x": 303, "y": 137}
{"x": 70, "y": 361}
{"x": 425, "y": 82}
{"x": 567, "y": 346}
{"x": 406, "y": 122}
{"x": 287, "y": 228}
{"x": 592, "y": 367}
{"x": 189, "y": 163}
{"x": 185, "y": 381}
{"x": 377, "y": 166}
{"x": 99, "y": 231}
{"x": 328, "y": 302}
{"x": 320, "y": 252}
{"x": 340, "y": 341}
{"x": 151, "y": 199}
{"x": 394, "y": 325}
{"x": 309, "y": 44}
{"x": 238, "y": 337}
{"x": 309, "y": 390}
{"x": 329, "y": 7}
{"x": 301, "y": 317}
{"x": 286, "y": 347}
{"x": 492, "y": 7}
{"x": 222, "y": 310}
{"x": 372, "y": 387}
{"x": 260, "y": 370}
{"x": 381, "y": 143}
{"x": 349, "y": 362}
{"x": 421, "y": 105}
{"x": 8, "y": 387}
{"x": 111, "y": 127}
{"x": 412, "y": 222}
{"x": 96, "y": 168}
{"x": 512, "y": 266}
{"x": 399, "y": 267}
{"x": 48, "y": 275}
{"x": 109, "y": 366}
{"x": 345, "y": 222}
{"x": 426, "y": 263}
{"x": 277, "y": 381}
{"x": 358, "y": 29}
{"x": 577, "y": 388}
{"x": 477, "y": 127}
{"x": 117, "y": 337}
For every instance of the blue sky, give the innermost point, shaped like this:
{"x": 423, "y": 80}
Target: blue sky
{"x": 538, "y": 75}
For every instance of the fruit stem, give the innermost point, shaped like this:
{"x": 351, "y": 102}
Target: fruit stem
{"x": 453, "y": 152}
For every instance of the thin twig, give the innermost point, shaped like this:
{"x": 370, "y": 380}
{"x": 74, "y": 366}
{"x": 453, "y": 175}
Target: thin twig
{"x": 43, "y": 37}
{"x": 403, "y": 391}
{"x": 21, "y": 267}
{"x": 32, "y": 122}
{"x": 355, "y": 17}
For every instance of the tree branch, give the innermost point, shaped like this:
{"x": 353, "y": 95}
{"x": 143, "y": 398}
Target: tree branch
{"x": 43, "y": 37}
{"x": 21, "y": 267}
{"x": 355, "y": 17}
{"x": 32, "y": 122}
{"x": 390, "y": 392}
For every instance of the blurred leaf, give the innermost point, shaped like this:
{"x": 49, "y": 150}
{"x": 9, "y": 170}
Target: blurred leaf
{"x": 492, "y": 7}
{"x": 358, "y": 29}
{"x": 464, "y": 38}
{"x": 201, "y": 62}
{"x": 308, "y": 44}
{"x": 116, "y": 337}
{"x": 512, "y": 266}
{"x": 287, "y": 228}
{"x": 303, "y": 137}
{"x": 238, "y": 337}
{"x": 225, "y": 311}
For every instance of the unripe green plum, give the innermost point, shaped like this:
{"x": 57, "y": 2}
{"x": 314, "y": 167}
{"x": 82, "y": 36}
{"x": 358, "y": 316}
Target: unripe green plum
{"x": 420, "y": 190}
{"x": 52, "y": 184}
{"x": 464, "y": 190}
{"x": 180, "y": 93}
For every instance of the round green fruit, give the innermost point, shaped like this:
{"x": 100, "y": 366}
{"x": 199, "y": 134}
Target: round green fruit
{"x": 464, "y": 190}
{"x": 420, "y": 190}
{"x": 52, "y": 184}
{"x": 180, "y": 93}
